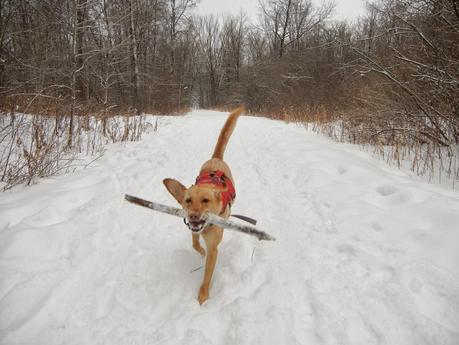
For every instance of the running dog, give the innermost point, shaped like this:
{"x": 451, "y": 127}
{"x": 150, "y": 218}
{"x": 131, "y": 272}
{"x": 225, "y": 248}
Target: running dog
{"x": 213, "y": 192}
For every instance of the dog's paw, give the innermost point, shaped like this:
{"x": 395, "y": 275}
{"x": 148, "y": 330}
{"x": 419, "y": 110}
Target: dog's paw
{"x": 203, "y": 295}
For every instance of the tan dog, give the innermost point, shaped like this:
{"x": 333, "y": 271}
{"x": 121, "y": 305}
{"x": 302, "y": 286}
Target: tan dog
{"x": 213, "y": 192}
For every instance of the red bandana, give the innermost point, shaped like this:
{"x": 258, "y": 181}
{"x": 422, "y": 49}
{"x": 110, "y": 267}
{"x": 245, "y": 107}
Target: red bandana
{"x": 219, "y": 179}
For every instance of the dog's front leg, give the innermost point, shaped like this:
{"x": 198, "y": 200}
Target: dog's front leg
{"x": 210, "y": 266}
{"x": 197, "y": 245}
{"x": 213, "y": 236}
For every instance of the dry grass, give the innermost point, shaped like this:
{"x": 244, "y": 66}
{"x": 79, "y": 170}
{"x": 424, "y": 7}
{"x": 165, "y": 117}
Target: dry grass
{"x": 36, "y": 146}
{"x": 51, "y": 106}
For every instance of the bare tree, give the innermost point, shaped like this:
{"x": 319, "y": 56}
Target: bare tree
{"x": 208, "y": 30}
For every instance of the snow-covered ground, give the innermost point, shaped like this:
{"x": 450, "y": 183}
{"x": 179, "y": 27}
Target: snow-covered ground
{"x": 365, "y": 254}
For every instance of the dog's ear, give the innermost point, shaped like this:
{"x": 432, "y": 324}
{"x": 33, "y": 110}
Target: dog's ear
{"x": 175, "y": 188}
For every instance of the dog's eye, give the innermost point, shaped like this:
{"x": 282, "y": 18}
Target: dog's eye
{"x": 188, "y": 200}
{"x": 205, "y": 200}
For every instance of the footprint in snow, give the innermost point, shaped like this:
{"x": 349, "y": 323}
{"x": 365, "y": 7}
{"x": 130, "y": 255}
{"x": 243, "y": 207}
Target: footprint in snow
{"x": 376, "y": 227}
{"x": 394, "y": 195}
{"x": 342, "y": 170}
{"x": 386, "y": 190}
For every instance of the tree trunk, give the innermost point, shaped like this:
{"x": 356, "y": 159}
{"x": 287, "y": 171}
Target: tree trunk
{"x": 134, "y": 60}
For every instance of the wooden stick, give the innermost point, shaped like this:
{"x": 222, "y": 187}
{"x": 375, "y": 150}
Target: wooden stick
{"x": 210, "y": 218}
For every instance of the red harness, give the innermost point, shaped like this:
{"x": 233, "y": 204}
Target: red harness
{"x": 221, "y": 181}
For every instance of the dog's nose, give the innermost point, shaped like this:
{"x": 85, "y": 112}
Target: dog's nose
{"x": 194, "y": 217}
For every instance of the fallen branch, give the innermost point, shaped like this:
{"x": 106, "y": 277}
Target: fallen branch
{"x": 209, "y": 217}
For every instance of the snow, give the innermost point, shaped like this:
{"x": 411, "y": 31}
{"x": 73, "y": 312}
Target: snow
{"x": 365, "y": 253}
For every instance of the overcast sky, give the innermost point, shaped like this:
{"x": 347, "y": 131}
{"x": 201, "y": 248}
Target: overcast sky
{"x": 345, "y": 9}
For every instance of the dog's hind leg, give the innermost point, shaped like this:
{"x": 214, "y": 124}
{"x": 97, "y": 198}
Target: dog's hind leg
{"x": 197, "y": 245}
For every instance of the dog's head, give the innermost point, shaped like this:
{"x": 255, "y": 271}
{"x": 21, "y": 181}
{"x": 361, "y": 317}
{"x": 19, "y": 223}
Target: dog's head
{"x": 196, "y": 201}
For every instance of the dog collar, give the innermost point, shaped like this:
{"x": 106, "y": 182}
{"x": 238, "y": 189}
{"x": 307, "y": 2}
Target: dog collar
{"x": 221, "y": 181}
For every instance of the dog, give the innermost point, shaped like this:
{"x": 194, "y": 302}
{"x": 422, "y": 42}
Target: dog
{"x": 213, "y": 192}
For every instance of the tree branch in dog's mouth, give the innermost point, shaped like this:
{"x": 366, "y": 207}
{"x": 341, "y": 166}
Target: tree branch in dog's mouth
{"x": 208, "y": 219}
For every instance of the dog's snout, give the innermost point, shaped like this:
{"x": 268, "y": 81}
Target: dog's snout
{"x": 194, "y": 217}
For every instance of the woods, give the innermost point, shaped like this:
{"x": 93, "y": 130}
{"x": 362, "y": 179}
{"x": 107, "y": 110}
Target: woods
{"x": 150, "y": 55}
{"x": 95, "y": 54}
{"x": 389, "y": 78}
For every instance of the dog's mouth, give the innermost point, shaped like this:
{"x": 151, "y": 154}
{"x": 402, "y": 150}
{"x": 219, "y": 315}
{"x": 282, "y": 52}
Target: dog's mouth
{"x": 196, "y": 226}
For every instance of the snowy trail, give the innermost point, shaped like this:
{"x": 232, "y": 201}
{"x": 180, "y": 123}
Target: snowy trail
{"x": 365, "y": 254}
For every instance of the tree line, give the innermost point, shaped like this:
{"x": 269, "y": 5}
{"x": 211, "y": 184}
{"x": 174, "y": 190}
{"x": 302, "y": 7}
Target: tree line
{"x": 394, "y": 72}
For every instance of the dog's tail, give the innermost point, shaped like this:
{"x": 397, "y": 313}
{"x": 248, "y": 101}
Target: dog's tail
{"x": 226, "y": 132}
